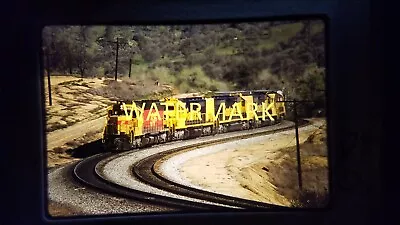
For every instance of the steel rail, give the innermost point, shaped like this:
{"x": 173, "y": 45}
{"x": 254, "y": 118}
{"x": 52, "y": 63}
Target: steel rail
{"x": 86, "y": 173}
{"x": 145, "y": 170}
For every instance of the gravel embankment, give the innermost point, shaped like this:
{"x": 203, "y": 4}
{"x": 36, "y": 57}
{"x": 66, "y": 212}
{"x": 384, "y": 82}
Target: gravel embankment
{"x": 119, "y": 169}
{"x": 171, "y": 168}
{"x": 63, "y": 189}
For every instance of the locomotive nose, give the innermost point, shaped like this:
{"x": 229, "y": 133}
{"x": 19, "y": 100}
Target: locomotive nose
{"x": 112, "y": 125}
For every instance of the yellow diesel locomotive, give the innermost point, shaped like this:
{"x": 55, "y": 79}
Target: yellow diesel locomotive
{"x": 143, "y": 123}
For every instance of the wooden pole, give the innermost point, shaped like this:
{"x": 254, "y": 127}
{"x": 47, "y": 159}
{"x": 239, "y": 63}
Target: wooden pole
{"x": 130, "y": 67}
{"x": 297, "y": 146}
{"x": 48, "y": 76}
{"x": 116, "y": 61}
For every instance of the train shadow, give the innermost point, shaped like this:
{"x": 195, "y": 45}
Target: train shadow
{"x": 86, "y": 150}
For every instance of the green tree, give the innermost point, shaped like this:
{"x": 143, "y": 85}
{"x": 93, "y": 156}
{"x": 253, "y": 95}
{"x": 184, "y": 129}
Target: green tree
{"x": 87, "y": 48}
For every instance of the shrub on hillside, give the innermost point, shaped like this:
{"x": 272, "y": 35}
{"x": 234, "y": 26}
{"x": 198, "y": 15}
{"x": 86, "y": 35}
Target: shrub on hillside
{"x": 213, "y": 70}
{"x": 194, "y": 79}
{"x": 162, "y": 75}
{"x": 266, "y": 80}
{"x": 311, "y": 199}
{"x": 127, "y": 90}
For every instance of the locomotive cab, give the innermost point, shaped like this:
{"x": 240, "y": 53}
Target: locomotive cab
{"x": 120, "y": 126}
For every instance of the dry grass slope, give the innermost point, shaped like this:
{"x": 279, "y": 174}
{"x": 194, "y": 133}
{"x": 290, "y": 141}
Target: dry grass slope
{"x": 314, "y": 163}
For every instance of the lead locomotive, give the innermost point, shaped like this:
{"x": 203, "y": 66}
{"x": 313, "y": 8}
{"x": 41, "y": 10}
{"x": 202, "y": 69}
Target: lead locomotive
{"x": 143, "y": 123}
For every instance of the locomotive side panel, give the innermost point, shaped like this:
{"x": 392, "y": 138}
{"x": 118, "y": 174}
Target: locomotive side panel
{"x": 153, "y": 115}
{"x": 228, "y": 109}
{"x": 196, "y": 111}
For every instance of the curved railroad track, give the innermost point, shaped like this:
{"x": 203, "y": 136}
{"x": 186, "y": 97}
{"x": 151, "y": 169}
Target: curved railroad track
{"x": 89, "y": 172}
{"x": 85, "y": 173}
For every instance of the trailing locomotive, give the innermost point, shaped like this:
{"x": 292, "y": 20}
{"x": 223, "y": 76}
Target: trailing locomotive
{"x": 147, "y": 122}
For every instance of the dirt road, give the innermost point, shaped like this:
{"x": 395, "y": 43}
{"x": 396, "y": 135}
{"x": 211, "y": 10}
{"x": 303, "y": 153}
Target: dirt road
{"x": 60, "y": 137}
{"x": 76, "y": 117}
{"x": 77, "y": 114}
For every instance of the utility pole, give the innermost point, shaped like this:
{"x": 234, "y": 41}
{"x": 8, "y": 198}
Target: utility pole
{"x": 116, "y": 54}
{"x": 130, "y": 67}
{"x": 296, "y": 125}
{"x": 47, "y": 56}
{"x": 116, "y": 60}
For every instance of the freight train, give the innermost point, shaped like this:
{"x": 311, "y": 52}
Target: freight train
{"x": 143, "y": 123}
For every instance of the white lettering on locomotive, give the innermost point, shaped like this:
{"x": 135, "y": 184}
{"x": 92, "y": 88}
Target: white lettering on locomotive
{"x": 153, "y": 112}
{"x": 253, "y": 110}
{"x": 166, "y": 108}
{"x": 265, "y": 111}
{"x": 236, "y": 111}
{"x": 181, "y": 109}
{"x": 196, "y": 112}
{"x": 222, "y": 107}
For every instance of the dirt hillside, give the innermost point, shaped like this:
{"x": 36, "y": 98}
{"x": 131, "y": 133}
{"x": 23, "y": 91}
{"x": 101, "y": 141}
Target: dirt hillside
{"x": 77, "y": 113}
{"x": 264, "y": 171}
{"x": 314, "y": 166}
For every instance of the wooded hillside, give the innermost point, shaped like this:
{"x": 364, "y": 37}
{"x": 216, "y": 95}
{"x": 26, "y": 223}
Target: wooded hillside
{"x": 282, "y": 55}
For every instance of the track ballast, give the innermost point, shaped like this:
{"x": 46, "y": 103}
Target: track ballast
{"x": 144, "y": 170}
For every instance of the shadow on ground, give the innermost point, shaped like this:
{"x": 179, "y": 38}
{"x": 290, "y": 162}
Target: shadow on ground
{"x": 87, "y": 150}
